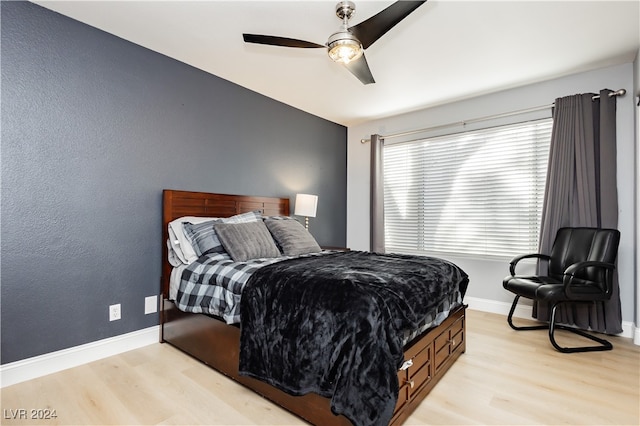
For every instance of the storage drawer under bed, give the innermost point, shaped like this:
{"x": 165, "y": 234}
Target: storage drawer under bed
{"x": 426, "y": 360}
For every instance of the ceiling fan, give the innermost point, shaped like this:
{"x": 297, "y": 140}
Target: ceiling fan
{"x": 346, "y": 46}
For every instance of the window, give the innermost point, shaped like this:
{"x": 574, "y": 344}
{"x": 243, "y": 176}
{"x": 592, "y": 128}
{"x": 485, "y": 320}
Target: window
{"x": 477, "y": 193}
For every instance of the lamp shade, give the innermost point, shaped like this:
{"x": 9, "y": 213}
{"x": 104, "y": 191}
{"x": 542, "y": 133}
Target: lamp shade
{"x": 306, "y": 205}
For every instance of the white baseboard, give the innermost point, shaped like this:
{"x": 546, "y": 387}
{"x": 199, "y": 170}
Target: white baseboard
{"x": 495, "y": 307}
{"x": 631, "y": 331}
{"x": 27, "y": 369}
{"x": 524, "y": 311}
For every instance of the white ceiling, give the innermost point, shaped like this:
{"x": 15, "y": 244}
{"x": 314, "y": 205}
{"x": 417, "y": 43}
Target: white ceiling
{"x": 446, "y": 50}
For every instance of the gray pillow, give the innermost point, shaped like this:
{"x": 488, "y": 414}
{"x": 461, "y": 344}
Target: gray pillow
{"x": 244, "y": 241}
{"x": 203, "y": 237}
{"x": 292, "y": 237}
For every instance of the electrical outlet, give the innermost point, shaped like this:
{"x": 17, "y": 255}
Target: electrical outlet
{"x": 114, "y": 312}
{"x": 150, "y": 304}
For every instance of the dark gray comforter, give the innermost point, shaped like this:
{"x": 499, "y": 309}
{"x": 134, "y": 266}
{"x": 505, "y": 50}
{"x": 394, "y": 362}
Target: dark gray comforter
{"x": 333, "y": 325}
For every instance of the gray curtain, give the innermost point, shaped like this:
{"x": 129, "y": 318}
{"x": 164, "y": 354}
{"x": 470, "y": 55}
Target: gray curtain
{"x": 581, "y": 190}
{"x": 377, "y": 196}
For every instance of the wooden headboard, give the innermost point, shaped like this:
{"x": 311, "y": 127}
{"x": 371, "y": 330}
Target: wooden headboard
{"x": 176, "y": 204}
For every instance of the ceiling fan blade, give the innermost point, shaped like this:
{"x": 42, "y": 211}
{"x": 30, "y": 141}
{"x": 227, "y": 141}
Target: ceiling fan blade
{"x": 375, "y": 27}
{"x": 360, "y": 69}
{"x": 279, "y": 41}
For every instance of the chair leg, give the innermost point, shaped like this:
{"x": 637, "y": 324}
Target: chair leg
{"x": 520, "y": 328}
{"x": 604, "y": 345}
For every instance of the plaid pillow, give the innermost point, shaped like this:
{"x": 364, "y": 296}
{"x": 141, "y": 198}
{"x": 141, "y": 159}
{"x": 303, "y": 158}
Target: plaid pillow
{"x": 203, "y": 236}
{"x": 278, "y": 218}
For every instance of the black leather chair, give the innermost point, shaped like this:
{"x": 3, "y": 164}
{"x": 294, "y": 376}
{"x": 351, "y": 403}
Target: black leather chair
{"x": 580, "y": 270}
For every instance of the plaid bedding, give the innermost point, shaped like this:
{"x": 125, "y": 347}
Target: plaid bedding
{"x": 213, "y": 284}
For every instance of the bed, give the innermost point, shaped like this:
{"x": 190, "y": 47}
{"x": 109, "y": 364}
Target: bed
{"x": 426, "y": 355}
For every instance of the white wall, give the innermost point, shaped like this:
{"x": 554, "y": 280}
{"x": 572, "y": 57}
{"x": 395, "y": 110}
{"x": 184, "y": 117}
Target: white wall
{"x": 636, "y": 97}
{"x": 486, "y": 276}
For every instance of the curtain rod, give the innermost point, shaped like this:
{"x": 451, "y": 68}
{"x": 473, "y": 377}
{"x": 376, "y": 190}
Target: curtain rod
{"x": 620, "y": 92}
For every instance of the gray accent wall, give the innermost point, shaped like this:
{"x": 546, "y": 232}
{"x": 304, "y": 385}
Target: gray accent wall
{"x": 93, "y": 128}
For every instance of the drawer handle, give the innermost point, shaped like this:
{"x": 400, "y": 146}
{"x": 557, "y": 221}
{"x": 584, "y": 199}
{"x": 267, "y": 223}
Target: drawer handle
{"x": 411, "y": 383}
{"x": 408, "y": 363}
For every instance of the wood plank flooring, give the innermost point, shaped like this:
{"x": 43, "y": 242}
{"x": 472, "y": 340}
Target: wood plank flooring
{"x": 504, "y": 378}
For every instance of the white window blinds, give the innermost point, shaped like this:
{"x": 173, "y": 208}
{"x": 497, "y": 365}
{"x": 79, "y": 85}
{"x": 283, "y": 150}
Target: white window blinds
{"x": 477, "y": 193}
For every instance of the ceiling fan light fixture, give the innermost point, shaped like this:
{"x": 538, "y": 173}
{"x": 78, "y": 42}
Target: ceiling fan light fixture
{"x": 346, "y": 46}
{"x": 343, "y": 47}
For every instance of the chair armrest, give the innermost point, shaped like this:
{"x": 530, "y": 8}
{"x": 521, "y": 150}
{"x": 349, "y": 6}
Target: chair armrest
{"x": 572, "y": 269}
{"x": 515, "y": 260}
{"x": 570, "y": 273}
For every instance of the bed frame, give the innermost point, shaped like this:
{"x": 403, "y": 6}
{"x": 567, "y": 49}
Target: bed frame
{"x": 217, "y": 344}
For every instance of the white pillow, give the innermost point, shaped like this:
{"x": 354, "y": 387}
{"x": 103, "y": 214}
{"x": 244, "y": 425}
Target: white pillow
{"x": 172, "y": 256}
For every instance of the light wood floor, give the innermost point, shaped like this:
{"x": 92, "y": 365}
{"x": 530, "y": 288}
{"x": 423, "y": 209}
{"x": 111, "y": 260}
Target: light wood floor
{"x": 504, "y": 378}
